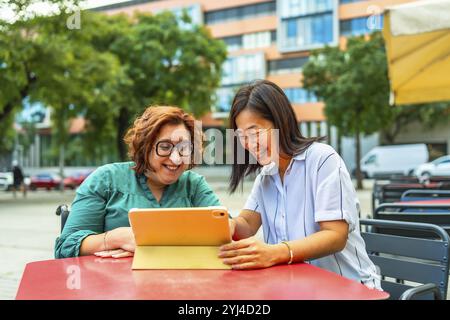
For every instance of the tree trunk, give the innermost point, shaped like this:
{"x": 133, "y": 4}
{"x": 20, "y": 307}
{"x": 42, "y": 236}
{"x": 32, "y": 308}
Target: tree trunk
{"x": 328, "y": 133}
{"x": 122, "y": 126}
{"x": 359, "y": 178}
{"x": 339, "y": 141}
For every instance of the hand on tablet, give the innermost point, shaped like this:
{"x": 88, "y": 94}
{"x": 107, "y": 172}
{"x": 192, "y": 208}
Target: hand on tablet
{"x": 249, "y": 254}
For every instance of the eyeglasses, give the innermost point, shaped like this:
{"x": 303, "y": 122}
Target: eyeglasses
{"x": 165, "y": 148}
{"x": 251, "y": 134}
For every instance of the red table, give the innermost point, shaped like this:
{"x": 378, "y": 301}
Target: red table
{"x": 96, "y": 278}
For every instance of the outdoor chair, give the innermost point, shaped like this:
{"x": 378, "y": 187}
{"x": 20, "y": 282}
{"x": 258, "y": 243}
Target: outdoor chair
{"x": 408, "y": 260}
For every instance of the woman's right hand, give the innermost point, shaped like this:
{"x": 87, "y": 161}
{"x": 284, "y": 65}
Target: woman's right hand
{"x": 120, "y": 242}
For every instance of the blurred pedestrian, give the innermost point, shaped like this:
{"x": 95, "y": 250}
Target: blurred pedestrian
{"x": 18, "y": 179}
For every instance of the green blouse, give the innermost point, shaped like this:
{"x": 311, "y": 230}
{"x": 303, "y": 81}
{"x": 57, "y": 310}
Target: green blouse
{"x": 103, "y": 200}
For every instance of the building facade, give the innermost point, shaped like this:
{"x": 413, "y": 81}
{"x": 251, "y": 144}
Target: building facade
{"x": 268, "y": 39}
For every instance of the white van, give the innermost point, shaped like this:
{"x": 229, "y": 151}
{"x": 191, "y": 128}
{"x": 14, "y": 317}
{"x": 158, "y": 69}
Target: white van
{"x": 395, "y": 159}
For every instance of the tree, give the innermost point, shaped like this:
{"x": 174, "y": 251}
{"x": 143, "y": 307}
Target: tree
{"x": 165, "y": 63}
{"x": 108, "y": 71}
{"x": 429, "y": 115}
{"x": 354, "y": 86}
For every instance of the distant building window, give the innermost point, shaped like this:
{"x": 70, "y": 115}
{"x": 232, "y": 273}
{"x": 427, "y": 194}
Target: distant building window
{"x": 291, "y": 28}
{"x": 121, "y": 5}
{"x": 291, "y": 65}
{"x": 359, "y": 26}
{"x": 305, "y": 24}
{"x": 243, "y": 68}
{"x": 250, "y": 40}
{"x": 350, "y": 1}
{"x": 233, "y": 43}
{"x": 299, "y": 95}
{"x": 239, "y": 13}
{"x": 225, "y": 98}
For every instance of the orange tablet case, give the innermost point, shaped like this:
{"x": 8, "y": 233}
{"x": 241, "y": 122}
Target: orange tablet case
{"x": 179, "y": 238}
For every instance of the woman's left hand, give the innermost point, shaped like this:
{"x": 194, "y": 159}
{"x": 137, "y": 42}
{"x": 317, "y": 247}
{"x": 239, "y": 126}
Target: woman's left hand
{"x": 117, "y": 253}
{"x": 249, "y": 254}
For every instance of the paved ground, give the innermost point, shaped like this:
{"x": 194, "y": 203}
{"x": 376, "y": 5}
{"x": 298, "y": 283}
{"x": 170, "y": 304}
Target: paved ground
{"x": 29, "y": 227}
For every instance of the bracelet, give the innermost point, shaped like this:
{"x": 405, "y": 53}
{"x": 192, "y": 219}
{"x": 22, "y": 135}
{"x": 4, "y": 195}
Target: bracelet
{"x": 291, "y": 254}
{"x": 104, "y": 241}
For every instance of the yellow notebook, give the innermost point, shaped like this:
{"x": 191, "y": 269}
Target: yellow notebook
{"x": 179, "y": 238}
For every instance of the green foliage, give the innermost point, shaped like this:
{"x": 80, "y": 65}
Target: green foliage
{"x": 353, "y": 84}
{"x": 108, "y": 71}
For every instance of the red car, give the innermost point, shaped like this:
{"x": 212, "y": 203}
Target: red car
{"x": 75, "y": 179}
{"x": 45, "y": 181}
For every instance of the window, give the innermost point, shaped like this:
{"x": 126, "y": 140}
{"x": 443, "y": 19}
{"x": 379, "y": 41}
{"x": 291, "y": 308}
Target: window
{"x": 307, "y": 31}
{"x": 296, "y": 8}
{"x": 239, "y": 13}
{"x": 306, "y": 24}
{"x": 250, "y": 40}
{"x": 244, "y": 68}
{"x": 233, "y": 43}
{"x": 371, "y": 159}
{"x": 359, "y": 26}
{"x": 299, "y": 95}
{"x": 291, "y": 28}
{"x": 350, "y": 1}
{"x": 256, "y": 40}
{"x": 225, "y": 98}
{"x": 121, "y": 5}
{"x": 290, "y": 65}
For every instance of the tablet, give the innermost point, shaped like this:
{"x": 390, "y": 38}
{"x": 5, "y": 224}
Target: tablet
{"x": 179, "y": 238}
{"x": 202, "y": 226}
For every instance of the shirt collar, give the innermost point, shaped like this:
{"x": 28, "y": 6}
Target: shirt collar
{"x": 272, "y": 168}
{"x": 300, "y": 156}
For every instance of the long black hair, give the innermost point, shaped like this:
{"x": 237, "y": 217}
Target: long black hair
{"x": 270, "y": 102}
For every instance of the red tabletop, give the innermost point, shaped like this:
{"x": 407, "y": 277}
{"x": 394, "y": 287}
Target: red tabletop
{"x": 96, "y": 278}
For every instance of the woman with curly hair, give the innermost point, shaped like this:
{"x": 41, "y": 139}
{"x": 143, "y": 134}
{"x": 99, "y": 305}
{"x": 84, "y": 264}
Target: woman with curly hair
{"x": 163, "y": 145}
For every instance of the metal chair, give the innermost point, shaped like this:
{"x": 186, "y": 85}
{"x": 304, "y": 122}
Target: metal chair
{"x": 417, "y": 195}
{"x": 409, "y": 259}
{"x": 63, "y": 211}
{"x": 438, "y": 214}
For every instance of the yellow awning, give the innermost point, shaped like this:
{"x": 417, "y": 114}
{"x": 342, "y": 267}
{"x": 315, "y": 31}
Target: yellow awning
{"x": 417, "y": 39}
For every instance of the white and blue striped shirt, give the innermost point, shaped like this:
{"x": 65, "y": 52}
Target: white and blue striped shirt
{"x": 317, "y": 187}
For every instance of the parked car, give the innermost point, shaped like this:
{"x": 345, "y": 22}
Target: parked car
{"x": 45, "y": 181}
{"x": 6, "y": 181}
{"x": 394, "y": 159}
{"x": 437, "y": 167}
{"x": 74, "y": 180}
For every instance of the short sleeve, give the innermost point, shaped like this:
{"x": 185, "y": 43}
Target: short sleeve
{"x": 252, "y": 202}
{"x": 87, "y": 215}
{"x": 335, "y": 196}
{"x": 204, "y": 196}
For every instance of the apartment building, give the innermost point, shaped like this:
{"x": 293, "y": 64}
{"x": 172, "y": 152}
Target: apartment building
{"x": 268, "y": 39}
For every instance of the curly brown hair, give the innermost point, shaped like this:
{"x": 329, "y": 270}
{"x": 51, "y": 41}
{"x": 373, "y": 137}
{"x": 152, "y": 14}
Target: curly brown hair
{"x": 141, "y": 137}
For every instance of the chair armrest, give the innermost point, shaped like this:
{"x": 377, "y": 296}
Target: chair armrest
{"x": 422, "y": 289}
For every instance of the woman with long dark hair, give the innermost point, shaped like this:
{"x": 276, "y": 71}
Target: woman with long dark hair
{"x": 303, "y": 196}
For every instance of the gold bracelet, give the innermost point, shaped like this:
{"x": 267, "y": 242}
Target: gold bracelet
{"x": 291, "y": 254}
